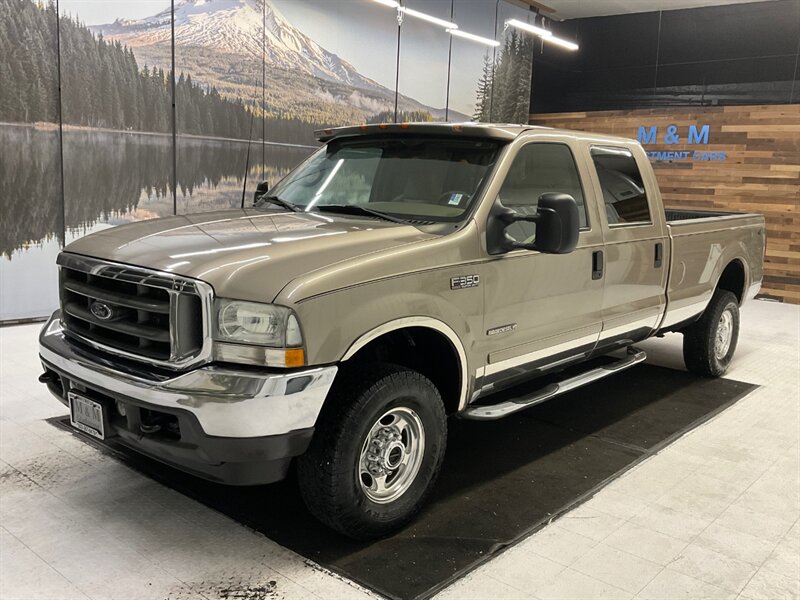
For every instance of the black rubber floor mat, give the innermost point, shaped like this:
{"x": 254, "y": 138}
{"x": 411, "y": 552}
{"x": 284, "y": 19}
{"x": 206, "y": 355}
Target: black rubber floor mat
{"x": 501, "y": 480}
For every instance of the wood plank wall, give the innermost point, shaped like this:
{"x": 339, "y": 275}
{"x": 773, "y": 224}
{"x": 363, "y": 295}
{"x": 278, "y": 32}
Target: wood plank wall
{"x": 761, "y": 173}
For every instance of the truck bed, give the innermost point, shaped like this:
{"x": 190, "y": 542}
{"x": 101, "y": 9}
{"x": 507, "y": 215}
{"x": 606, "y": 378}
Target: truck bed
{"x": 704, "y": 244}
{"x": 674, "y": 214}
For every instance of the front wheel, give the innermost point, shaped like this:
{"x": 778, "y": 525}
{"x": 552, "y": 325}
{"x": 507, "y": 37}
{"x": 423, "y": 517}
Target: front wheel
{"x": 709, "y": 344}
{"x": 376, "y": 451}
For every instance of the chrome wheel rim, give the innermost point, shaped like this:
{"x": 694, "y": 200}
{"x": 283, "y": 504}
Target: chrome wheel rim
{"x": 722, "y": 342}
{"x": 391, "y": 455}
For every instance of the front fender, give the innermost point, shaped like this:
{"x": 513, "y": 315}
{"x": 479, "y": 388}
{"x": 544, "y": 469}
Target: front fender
{"x": 336, "y": 325}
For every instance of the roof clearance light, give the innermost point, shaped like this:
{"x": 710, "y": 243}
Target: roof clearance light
{"x": 426, "y": 17}
{"x": 540, "y": 31}
{"x": 473, "y": 37}
{"x": 389, "y": 3}
{"x": 559, "y": 42}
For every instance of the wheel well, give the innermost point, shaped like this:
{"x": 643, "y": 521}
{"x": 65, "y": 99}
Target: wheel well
{"x": 732, "y": 279}
{"x": 421, "y": 349}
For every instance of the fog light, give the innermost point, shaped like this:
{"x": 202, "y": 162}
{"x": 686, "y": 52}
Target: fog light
{"x": 122, "y": 409}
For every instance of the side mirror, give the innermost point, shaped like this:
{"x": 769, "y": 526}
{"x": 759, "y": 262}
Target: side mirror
{"x": 261, "y": 189}
{"x": 557, "y": 226}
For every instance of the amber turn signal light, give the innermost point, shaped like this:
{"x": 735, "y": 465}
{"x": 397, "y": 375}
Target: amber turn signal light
{"x": 295, "y": 357}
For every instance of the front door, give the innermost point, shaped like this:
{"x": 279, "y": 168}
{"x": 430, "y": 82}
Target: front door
{"x": 541, "y": 309}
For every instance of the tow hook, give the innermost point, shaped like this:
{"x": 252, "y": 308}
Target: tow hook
{"x": 149, "y": 429}
{"x": 48, "y": 377}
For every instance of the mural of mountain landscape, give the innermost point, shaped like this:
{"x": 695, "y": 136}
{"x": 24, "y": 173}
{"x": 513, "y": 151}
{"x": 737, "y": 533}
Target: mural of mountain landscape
{"x": 306, "y": 81}
{"x": 254, "y": 78}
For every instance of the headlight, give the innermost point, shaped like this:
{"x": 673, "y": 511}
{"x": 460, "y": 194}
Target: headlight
{"x": 255, "y": 323}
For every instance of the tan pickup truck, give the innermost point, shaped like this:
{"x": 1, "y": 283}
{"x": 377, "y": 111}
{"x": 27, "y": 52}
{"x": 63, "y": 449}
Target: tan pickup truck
{"x": 401, "y": 274}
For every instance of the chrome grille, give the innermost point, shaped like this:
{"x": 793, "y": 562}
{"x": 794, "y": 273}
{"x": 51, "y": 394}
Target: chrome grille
{"x": 134, "y": 312}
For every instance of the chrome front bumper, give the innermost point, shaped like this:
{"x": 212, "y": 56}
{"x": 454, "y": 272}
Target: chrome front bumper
{"x": 226, "y": 402}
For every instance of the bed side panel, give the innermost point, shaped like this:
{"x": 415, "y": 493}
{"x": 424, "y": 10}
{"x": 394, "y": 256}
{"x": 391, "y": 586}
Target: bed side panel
{"x": 701, "y": 249}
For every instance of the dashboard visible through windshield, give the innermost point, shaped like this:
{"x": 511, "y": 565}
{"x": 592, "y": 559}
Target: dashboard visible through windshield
{"x": 403, "y": 178}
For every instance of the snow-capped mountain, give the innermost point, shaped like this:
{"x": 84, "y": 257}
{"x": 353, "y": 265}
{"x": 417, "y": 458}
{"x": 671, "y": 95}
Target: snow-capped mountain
{"x": 219, "y": 42}
{"x": 234, "y": 27}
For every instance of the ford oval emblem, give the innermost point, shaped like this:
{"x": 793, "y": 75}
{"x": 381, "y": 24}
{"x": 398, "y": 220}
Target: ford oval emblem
{"x": 101, "y": 310}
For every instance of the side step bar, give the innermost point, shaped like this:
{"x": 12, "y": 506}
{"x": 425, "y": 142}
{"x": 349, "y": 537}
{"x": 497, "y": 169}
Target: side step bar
{"x": 503, "y": 409}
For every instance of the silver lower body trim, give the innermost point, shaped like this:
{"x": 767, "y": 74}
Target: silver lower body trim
{"x": 752, "y": 290}
{"x": 544, "y": 353}
{"x": 226, "y": 402}
{"x": 684, "y": 313}
{"x": 611, "y": 330}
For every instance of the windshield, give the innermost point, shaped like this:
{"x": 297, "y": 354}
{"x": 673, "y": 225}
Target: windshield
{"x": 427, "y": 179}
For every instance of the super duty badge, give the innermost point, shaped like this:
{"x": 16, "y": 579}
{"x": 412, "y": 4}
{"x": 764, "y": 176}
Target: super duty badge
{"x": 464, "y": 281}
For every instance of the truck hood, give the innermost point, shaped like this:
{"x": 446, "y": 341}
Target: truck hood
{"x": 245, "y": 254}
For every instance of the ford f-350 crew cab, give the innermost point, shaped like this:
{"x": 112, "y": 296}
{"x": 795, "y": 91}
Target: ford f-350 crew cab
{"x": 401, "y": 274}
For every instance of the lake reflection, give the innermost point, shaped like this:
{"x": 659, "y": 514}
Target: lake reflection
{"x": 110, "y": 178}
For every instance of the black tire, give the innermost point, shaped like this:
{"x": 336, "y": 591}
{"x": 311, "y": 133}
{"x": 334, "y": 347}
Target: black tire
{"x": 700, "y": 338}
{"x": 327, "y": 473}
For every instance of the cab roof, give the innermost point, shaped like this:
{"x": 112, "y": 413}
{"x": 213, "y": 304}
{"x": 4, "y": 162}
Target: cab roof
{"x": 501, "y": 131}
{"x": 472, "y": 129}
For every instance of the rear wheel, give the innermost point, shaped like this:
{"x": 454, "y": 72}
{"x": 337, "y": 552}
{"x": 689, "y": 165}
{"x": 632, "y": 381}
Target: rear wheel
{"x": 376, "y": 451}
{"x": 709, "y": 344}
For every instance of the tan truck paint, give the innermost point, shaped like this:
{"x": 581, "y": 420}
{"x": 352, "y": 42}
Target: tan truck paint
{"x": 351, "y": 279}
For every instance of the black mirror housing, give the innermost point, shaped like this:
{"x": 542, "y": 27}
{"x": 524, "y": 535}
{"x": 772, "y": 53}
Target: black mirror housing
{"x": 557, "y": 226}
{"x": 261, "y": 189}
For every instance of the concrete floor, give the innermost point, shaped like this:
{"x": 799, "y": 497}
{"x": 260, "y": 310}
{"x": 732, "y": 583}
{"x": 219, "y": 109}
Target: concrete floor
{"x": 714, "y": 515}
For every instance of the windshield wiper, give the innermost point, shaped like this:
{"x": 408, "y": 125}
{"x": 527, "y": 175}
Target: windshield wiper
{"x": 279, "y": 202}
{"x": 356, "y": 209}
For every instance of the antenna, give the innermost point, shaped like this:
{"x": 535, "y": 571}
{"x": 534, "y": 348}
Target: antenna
{"x": 247, "y": 160}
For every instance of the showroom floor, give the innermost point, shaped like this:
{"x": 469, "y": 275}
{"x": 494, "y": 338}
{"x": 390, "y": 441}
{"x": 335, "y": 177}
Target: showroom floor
{"x": 714, "y": 515}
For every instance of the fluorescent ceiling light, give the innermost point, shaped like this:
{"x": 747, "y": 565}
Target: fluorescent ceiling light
{"x": 473, "y": 37}
{"x": 426, "y": 17}
{"x": 540, "y": 31}
{"x": 545, "y": 34}
{"x": 389, "y": 3}
{"x": 559, "y": 42}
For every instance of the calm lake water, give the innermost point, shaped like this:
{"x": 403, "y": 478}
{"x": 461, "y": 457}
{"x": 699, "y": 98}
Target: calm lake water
{"x": 110, "y": 178}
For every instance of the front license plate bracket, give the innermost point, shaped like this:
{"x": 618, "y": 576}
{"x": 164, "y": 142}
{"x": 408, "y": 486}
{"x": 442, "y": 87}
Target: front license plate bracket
{"x": 86, "y": 415}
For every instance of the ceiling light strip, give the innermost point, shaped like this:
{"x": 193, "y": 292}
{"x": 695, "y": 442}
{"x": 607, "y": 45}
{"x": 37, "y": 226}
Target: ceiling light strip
{"x": 545, "y": 34}
{"x": 559, "y": 42}
{"x": 540, "y": 31}
{"x": 473, "y": 37}
{"x": 426, "y": 17}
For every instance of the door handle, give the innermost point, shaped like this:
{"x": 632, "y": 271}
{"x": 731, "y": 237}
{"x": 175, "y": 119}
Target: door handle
{"x": 659, "y": 255}
{"x": 597, "y": 264}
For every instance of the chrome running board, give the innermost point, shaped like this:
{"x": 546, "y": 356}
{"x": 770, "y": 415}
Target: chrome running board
{"x": 491, "y": 412}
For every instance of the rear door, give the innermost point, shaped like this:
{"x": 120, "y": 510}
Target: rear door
{"x": 636, "y": 243}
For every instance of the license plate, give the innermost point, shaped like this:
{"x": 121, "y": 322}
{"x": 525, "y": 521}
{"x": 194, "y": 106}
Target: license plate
{"x": 86, "y": 415}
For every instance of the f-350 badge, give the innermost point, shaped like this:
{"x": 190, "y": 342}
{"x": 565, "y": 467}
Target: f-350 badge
{"x": 464, "y": 281}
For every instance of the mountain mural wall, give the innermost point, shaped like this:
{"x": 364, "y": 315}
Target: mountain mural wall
{"x": 86, "y": 127}
{"x": 304, "y": 80}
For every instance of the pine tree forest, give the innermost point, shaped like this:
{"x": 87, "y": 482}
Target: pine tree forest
{"x": 504, "y": 88}
{"x": 124, "y": 95}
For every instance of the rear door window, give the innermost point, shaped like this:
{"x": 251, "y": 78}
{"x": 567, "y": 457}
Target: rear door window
{"x": 624, "y": 192}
